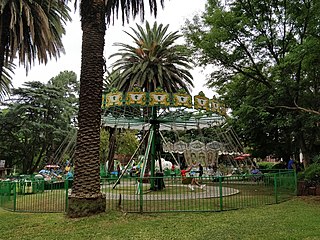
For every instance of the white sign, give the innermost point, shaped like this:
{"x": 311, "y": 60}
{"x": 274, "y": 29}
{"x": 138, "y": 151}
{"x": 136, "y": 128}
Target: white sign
{"x": 2, "y": 163}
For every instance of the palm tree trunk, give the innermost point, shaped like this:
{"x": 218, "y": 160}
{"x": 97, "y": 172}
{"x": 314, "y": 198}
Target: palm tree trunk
{"x": 86, "y": 197}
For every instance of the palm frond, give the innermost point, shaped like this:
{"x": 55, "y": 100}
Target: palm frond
{"x": 128, "y": 8}
{"x": 5, "y": 80}
{"x": 30, "y": 30}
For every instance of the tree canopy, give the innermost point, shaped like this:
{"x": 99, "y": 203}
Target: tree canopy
{"x": 266, "y": 66}
{"x": 36, "y": 122}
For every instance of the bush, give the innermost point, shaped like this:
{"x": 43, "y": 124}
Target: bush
{"x": 281, "y": 165}
{"x": 265, "y": 165}
{"x": 312, "y": 173}
{"x": 316, "y": 159}
{"x": 301, "y": 176}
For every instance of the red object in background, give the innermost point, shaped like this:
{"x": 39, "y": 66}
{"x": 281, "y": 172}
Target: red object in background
{"x": 246, "y": 155}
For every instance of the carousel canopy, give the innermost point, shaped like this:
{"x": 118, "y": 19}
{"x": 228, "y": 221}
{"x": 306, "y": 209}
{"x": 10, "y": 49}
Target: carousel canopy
{"x": 173, "y": 111}
{"x": 168, "y": 122}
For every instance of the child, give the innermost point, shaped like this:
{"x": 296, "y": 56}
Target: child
{"x": 193, "y": 180}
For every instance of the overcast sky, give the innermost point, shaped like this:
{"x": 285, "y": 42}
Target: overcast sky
{"x": 175, "y": 13}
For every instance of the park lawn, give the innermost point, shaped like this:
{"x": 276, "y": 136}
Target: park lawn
{"x": 295, "y": 219}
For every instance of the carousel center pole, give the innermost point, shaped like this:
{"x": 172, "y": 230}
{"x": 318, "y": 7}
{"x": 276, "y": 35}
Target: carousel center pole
{"x": 155, "y": 126}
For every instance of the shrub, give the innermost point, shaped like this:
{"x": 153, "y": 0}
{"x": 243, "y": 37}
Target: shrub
{"x": 301, "y": 176}
{"x": 281, "y": 165}
{"x": 312, "y": 173}
{"x": 316, "y": 159}
{"x": 265, "y": 165}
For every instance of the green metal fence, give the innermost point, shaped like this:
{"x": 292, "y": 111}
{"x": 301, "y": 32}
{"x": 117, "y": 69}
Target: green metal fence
{"x": 35, "y": 195}
{"x": 170, "y": 194}
{"x": 224, "y": 193}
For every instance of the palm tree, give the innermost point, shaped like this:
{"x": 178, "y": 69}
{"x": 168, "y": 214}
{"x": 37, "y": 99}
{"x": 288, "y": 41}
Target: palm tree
{"x": 154, "y": 61}
{"x": 86, "y": 197}
{"x": 29, "y": 30}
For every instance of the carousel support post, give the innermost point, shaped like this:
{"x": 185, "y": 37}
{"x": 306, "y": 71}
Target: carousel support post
{"x": 153, "y": 146}
{"x": 153, "y": 158}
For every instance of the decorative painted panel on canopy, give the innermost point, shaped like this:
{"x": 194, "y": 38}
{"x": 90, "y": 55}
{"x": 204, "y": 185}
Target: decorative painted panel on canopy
{"x": 215, "y": 105}
{"x": 133, "y": 98}
{"x": 103, "y": 103}
{"x": 218, "y": 107}
{"x": 161, "y": 98}
{"x": 182, "y": 100}
{"x": 201, "y": 102}
{"x": 113, "y": 99}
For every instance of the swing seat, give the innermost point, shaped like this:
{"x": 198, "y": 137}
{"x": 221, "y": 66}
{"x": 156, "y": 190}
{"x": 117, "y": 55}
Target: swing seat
{"x": 145, "y": 179}
{"x": 186, "y": 180}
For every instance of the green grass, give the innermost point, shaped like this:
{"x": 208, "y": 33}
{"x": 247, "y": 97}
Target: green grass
{"x": 295, "y": 219}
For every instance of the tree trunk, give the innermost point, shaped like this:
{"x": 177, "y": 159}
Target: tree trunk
{"x": 86, "y": 198}
{"x": 39, "y": 158}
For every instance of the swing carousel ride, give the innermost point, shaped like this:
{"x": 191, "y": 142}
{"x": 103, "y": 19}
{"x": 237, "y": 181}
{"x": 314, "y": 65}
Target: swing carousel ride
{"x": 154, "y": 113}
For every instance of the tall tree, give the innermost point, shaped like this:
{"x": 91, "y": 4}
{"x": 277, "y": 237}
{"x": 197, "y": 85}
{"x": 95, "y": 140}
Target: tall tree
{"x": 86, "y": 197}
{"x": 68, "y": 82}
{"x": 265, "y": 56}
{"x": 155, "y": 61}
{"x": 34, "y": 125}
{"x": 30, "y": 30}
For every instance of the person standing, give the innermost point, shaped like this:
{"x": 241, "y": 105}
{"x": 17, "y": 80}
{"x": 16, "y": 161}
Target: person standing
{"x": 291, "y": 164}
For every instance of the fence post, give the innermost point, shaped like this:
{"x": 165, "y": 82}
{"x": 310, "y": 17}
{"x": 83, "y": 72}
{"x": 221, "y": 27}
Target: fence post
{"x": 141, "y": 194}
{"x": 66, "y": 188}
{"x": 220, "y": 193}
{"x": 295, "y": 182}
{"x": 275, "y": 187}
{"x": 14, "y": 196}
{"x": 2, "y": 192}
